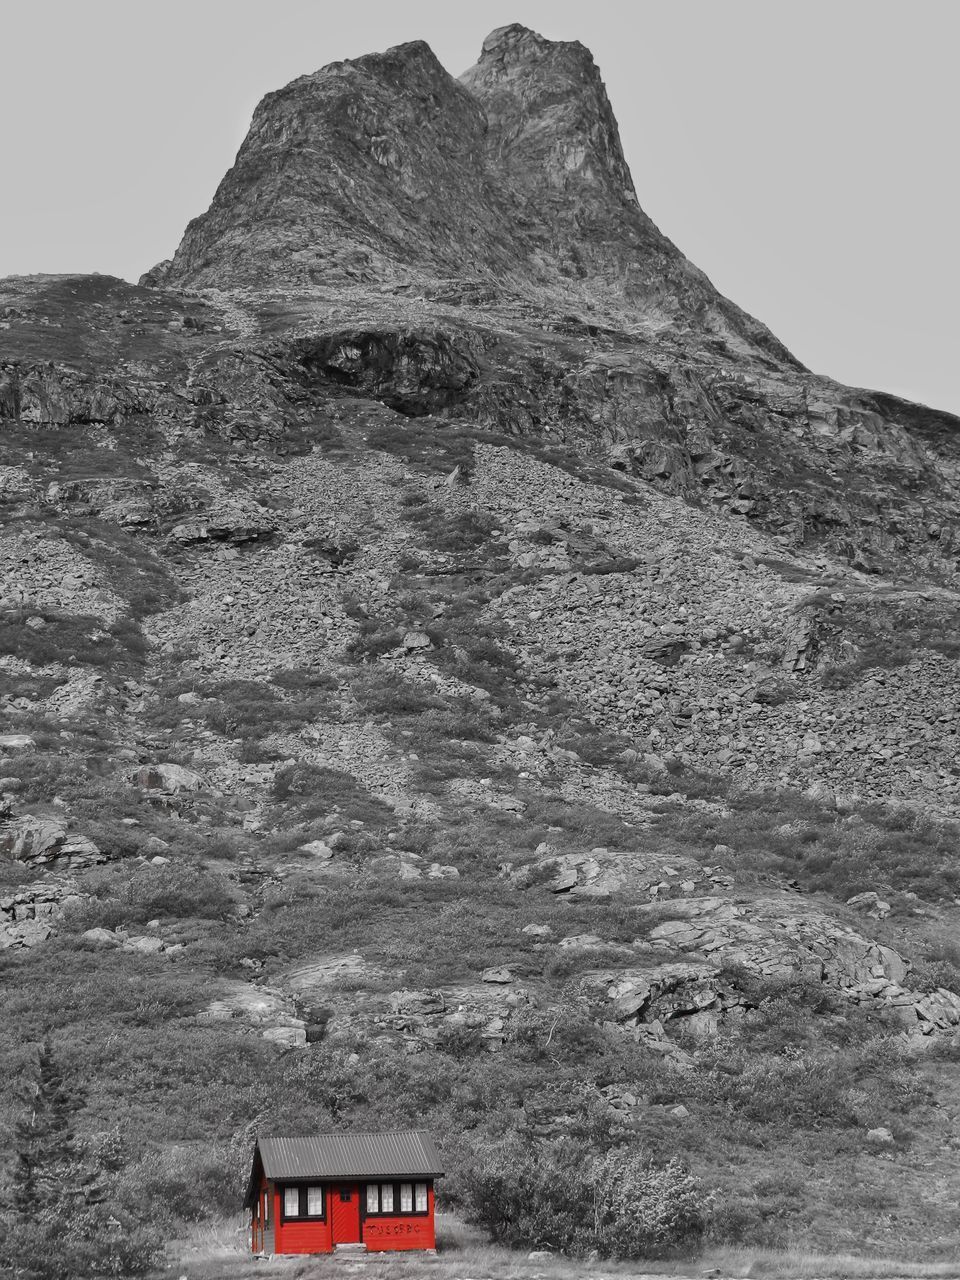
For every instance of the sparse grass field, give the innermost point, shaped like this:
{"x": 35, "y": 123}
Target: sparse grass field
{"x": 219, "y": 1252}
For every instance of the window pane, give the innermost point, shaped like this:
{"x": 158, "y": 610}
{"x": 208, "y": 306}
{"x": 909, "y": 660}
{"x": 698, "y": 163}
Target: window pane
{"x": 315, "y": 1202}
{"x": 406, "y": 1197}
{"x": 386, "y": 1197}
{"x": 266, "y": 1206}
{"x": 291, "y": 1202}
{"x": 373, "y": 1199}
{"x": 421, "y": 1197}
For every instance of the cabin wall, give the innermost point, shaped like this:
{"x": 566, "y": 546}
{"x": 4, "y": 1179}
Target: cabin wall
{"x": 301, "y": 1237}
{"x": 378, "y": 1234}
{"x": 402, "y": 1231}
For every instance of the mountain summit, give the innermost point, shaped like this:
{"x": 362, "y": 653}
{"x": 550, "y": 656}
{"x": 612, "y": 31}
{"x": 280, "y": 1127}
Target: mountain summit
{"x": 387, "y": 168}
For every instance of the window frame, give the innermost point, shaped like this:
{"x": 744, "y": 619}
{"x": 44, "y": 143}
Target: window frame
{"x": 396, "y": 1211}
{"x": 301, "y": 1186}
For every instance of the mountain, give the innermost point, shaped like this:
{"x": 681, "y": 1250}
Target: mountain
{"x": 460, "y": 670}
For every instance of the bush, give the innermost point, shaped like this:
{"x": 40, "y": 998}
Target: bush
{"x": 315, "y": 791}
{"x": 76, "y": 1243}
{"x": 939, "y": 967}
{"x": 620, "y": 1204}
{"x": 70, "y": 638}
{"x": 642, "y": 1209}
{"x": 175, "y": 891}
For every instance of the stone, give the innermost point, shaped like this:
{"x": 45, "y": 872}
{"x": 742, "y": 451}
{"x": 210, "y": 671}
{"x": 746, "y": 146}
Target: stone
{"x": 869, "y": 903}
{"x": 316, "y": 849}
{"x": 497, "y": 974}
{"x": 413, "y": 640}
{"x": 11, "y": 742}
{"x": 168, "y": 777}
{"x": 101, "y": 938}
{"x": 26, "y": 933}
{"x": 880, "y": 1137}
{"x": 33, "y": 838}
{"x": 291, "y": 1037}
{"x": 143, "y": 946}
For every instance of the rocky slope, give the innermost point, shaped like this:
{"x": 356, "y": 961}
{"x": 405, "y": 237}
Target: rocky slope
{"x": 445, "y": 641}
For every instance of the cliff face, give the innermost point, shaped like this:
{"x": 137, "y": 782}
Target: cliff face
{"x": 444, "y": 641}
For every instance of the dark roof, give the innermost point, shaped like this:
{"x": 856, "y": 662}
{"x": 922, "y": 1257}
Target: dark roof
{"x": 350, "y": 1155}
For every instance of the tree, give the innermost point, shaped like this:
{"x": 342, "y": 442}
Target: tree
{"x": 61, "y": 1222}
{"x": 49, "y": 1168}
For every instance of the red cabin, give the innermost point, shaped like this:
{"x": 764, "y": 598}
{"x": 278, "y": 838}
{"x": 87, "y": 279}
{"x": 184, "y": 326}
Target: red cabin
{"x": 351, "y": 1191}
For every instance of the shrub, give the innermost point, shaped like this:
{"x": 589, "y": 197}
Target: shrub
{"x": 620, "y": 1204}
{"x": 70, "y": 638}
{"x": 174, "y": 890}
{"x": 939, "y": 967}
{"x": 314, "y": 791}
{"x": 642, "y": 1208}
{"x": 74, "y": 1243}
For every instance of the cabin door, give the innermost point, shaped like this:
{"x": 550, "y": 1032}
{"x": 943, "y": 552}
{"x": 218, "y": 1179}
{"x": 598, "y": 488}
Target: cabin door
{"x": 346, "y": 1213}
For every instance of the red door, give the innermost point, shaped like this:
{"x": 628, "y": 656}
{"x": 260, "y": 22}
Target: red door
{"x": 346, "y": 1213}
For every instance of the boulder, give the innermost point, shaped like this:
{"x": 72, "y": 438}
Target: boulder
{"x": 101, "y": 938}
{"x": 316, "y": 849}
{"x": 497, "y": 974}
{"x": 24, "y": 933}
{"x": 167, "y": 777}
{"x": 880, "y": 1137}
{"x": 143, "y": 946}
{"x": 413, "y": 640}
{"x": 33, "y": 838}
{"x": 870, "y": 904}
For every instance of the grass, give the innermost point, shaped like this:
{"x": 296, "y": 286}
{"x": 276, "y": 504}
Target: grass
{"x": 881, "y": 634}
{"x": 219, "y": 1251}
{"x": 785, "y": 836}
{"x": 43, "y": 635}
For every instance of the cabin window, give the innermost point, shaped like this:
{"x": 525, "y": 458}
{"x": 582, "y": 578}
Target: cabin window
{"x": 303, "y": 1201}
{"x": 266, "y": 1207}
{"x": 396, "y": 1197}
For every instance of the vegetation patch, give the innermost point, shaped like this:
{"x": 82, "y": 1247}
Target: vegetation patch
{"x": 785, "y": 835}
{"x": 121, "y": 897}
{"x": 42, "y": 635}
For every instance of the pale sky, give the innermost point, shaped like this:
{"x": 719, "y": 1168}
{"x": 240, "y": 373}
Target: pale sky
{"x": 801, "y": 152}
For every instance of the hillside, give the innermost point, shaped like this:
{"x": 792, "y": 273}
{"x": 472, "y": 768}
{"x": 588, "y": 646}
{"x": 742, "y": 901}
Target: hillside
{"x": 460, "y": 670}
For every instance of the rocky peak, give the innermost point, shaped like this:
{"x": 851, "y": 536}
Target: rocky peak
{"x": 359, "y": 171}
{"x": 550, "y": 118}
{"x": 385, "y": 169}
